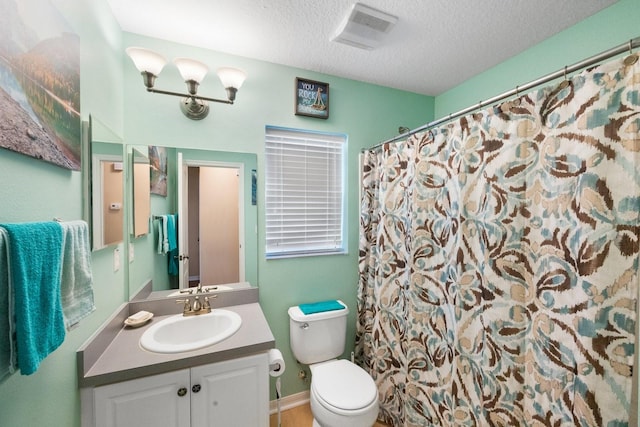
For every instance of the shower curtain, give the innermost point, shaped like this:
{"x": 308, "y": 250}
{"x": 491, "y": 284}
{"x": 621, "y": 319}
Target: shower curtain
{"x": 499, "y": 261}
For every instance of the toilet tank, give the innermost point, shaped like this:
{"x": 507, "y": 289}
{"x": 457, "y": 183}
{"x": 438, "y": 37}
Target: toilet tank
{"x": 319, "y": 336}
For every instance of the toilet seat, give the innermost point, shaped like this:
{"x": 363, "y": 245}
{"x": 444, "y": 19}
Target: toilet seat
{"x": 343, "y": 387}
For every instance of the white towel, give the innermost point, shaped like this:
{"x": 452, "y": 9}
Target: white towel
{"x": 165, "y": 240}
{"x": 158, "y": 223}
{"x": 77, "y": 277}
{"x": 163, "y": 237}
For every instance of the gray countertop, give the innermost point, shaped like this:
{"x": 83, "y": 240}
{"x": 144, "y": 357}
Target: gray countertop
{"x": 121, "y": 358}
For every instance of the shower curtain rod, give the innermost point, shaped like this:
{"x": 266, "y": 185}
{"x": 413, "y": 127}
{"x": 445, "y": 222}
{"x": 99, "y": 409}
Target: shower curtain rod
{"x": 629, "y": 46}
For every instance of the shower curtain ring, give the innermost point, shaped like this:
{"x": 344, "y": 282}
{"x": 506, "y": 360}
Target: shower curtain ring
{"x": 565, "y": 82}
{"x": 632, "y": 58}
{"x": 517, "y": 100}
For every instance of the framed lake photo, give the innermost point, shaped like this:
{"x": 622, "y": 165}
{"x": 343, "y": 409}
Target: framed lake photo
{"x": 312, "y": 98}
{"x": 158, "y": 170}
{"x": 39, "y": 83}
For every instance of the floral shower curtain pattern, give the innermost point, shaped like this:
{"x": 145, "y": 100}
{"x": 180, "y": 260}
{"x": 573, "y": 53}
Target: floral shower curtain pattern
{"x": 499, "y": 261}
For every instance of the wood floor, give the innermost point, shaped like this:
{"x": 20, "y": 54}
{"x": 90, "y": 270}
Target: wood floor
{"x": 300, "y": 416}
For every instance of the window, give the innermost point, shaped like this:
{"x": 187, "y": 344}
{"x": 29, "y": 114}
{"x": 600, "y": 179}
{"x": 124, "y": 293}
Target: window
{"x": 304, "y": 195}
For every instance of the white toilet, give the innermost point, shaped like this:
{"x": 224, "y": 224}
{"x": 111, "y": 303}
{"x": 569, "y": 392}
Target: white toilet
{"x": 342, "y": 393}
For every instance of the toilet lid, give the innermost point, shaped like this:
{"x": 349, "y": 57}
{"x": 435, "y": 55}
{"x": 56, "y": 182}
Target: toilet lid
{"x": 343, "y": 385}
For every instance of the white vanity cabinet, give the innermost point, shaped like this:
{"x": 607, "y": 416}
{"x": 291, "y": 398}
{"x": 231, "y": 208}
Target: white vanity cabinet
{"x": 231, "y": 393}
{"x": 234, "y": 393}
{"x": 157, "y": 400}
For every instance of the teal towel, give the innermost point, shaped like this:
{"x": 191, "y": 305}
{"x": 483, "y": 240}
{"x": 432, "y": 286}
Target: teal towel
{"x": 7, "y": 343}
{"x": 76, "y": 291}
{"x": 172, "y": 239}
{"x": 319, "y": 307}
{"x": 172, "y": 232}
{"x": 35, "y": 252}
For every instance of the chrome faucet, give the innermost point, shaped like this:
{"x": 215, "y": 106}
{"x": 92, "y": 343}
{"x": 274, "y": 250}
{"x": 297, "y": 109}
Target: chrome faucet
{"x": 197, "y": 308}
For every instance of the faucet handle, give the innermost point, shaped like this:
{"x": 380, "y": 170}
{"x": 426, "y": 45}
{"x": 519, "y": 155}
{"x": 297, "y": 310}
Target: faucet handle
{"x": 187, "y": 304}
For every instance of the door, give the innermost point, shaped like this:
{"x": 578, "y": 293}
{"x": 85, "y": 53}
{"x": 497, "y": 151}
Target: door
{"x": 159, "y": 401}
{"x": 219, "y": 225}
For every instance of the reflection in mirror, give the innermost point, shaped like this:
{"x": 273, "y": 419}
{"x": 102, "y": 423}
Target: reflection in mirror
{"x": 141, "y": 206}
{"x": 212, "y": 241}
{"x": 107, "y": 194}
{"x": 189, "y": 184}
{"x": 221, "y": 218}
{"x": 106, "y": 187}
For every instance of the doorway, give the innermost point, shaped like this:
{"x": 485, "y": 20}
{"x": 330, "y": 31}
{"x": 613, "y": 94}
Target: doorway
{"x": 214, "y": 237}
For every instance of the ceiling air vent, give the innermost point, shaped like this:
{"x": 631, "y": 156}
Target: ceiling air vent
{"x": 364, "y": 27}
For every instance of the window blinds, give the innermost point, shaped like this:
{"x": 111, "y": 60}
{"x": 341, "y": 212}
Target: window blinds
{"x": 304, "y": 192}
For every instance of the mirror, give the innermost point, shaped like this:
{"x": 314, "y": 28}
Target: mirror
{"x": 202, "y": 187}
{"x": 106, "y": 186}
{"x": 141, "y": 203}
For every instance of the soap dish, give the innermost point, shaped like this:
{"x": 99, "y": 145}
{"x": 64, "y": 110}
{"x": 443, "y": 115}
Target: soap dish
{"x": 138, "y": 319}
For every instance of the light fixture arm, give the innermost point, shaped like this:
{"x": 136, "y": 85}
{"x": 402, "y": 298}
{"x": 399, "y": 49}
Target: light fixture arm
{"x": 187, "y": 95}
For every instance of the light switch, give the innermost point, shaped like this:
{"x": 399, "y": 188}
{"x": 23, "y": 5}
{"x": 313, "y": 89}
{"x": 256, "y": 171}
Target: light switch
{"x": 131, "y": 253}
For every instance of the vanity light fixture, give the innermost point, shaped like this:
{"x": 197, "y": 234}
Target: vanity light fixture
{"x": 194, "y": 106}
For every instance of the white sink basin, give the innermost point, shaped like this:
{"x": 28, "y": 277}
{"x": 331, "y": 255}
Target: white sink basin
{"x": 180, "y": 333}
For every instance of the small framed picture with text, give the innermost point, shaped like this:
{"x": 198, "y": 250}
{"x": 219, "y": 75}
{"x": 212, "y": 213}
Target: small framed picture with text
{"x": 312, "y": 98}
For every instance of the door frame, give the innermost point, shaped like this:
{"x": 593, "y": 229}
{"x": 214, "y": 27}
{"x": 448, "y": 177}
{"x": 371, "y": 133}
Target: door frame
{"x": 183, "y": 213}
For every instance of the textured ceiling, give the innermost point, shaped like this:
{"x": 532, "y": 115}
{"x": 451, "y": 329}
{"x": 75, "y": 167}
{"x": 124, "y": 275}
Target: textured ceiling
{"x": 436, "y": 44}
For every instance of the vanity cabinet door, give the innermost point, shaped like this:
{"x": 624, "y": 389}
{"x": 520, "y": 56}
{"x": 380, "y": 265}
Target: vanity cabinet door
{"x": 158, "y": 401}
{"x": 233, "y": 393}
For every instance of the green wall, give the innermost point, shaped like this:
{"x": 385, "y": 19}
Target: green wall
{"x": 32, "y": 190}
{"x": 611, "y": 27}
{"x": 112, "y": 91}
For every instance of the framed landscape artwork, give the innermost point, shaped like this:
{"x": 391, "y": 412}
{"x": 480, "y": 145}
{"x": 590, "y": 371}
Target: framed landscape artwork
{"x": 39, "y": 83}
{"x": 158, "y": 170}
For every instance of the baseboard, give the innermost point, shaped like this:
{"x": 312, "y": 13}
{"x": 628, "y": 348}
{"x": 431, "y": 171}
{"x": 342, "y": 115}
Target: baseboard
{"x": 289, "y": 402}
